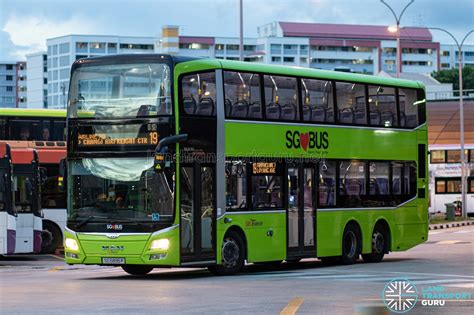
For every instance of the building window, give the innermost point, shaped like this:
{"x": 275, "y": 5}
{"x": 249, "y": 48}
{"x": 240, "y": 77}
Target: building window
{"x": 9, "y": 78}
{"x": 9, "y": 67}
{"x": 437, "y": 156}
{"x": 97, "y": 47}
{"x": 276, "y": 59}
{"x": 81, "y": 47}
{"x": 275, "y": 48}
{"x": 249, "y": 47}
{"x": 194, "y": 46}
{"x": 9, "y": 88}
{"x": 454, "y": 156}
{"x": 64, "y": 48}
{"x": 304, "y": 60}
{"x": 232, "y": 47}
{"x": 64, "y": 61}
{"x": 288, "y": 59}
{"x": 112, "y": 48}
{"x": 220, "y": 47}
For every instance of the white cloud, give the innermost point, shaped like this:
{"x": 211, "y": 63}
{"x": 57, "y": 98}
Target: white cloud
{"x": 29, "y": 33}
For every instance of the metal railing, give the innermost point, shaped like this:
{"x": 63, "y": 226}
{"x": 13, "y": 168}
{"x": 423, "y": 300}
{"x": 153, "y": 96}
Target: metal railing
{"x": 449, "y": 95}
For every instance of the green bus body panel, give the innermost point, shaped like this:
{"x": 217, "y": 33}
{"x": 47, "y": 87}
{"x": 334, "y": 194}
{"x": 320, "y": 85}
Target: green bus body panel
{"x": 269, "y": 140}
{"x": 26, "y": 112}
{"x": 256, "y": 227}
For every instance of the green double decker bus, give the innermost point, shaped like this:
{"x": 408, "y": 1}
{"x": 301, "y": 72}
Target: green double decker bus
{"x": 176, "y": 161}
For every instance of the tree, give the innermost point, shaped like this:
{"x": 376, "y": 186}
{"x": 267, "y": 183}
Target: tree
{"x": 451, "y": 76}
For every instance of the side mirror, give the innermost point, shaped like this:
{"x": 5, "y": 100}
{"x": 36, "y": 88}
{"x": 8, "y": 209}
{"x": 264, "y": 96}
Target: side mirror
{"x": 162, "y": 157}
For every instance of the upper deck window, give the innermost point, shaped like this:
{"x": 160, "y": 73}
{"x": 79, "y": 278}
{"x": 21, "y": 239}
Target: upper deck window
{"x": 351, "y": 103}
{"x": 281, "y": 101}
{"x": 199, "y": 94}
{"x": 382, "y": 106}
{"x": 120, "y": 90}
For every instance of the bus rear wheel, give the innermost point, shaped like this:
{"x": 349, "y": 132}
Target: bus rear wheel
{"x": 379, "y": 245}
{"x": 137, "y": 270}
{"x": 52, "y": 238}
{"x": 350, "y": 244}
{"x": 233, "y": 255}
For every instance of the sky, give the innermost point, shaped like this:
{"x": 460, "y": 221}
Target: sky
{"x": 26, "y": 24}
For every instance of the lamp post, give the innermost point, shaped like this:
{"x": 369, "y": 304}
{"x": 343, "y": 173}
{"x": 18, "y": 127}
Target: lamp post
{"x": 241, "y": 20}
{"x": 397, "y": 19}
{"x": 461, "y": 116}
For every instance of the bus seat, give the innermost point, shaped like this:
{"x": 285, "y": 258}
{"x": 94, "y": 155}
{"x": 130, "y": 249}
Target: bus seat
{"x": 373, "y": 187}
{"x": 383, "y": 185}
{"x": 396, "y": 186}
{"x": 346, "y": 116}
{"x": 359, "y": 117}
{"x": 240, "y": 109}
{"x": 273, "y": 111}
{"x": 205, "y": 107}
{"x": 353, "y": 187}
{"x": 329, "y": 115}
{"x": 402, "y": 119}
{"x": 189, "y": 105}
{"x": 255, "y": 111}
{"x": 375, "y": 117}
{"x": 387, "y": 118}
{"x": 228, "y": 107}
{"x": 306, "y": 113}
{"x": 318, "y": 114}
{"x": 411, "y": 121}
{"x": 288, "y": 112}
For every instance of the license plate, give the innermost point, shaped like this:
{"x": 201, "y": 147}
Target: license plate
{"x": 113, "y": 260}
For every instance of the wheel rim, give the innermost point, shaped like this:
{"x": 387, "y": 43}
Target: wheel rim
{"x": 350, "y": 244}
{"x": 230, "y": 253}
{"x": 378, "y": 242}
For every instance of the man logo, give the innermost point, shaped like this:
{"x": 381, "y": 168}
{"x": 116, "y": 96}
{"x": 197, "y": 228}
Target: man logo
{"x": 400, "y": 295}
{"x": 112, "y": 235}
{"x": 112, "y": 248}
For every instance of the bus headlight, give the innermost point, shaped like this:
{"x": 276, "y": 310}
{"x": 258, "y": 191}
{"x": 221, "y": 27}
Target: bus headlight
{"x": 71, "y": 244}
{"x": 161, "y": 244}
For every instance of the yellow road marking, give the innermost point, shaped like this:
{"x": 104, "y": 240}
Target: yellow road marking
{"x": 292, "y": 306}
{"x": 57, "y": 257}
{"x": 449, "y": 242}
{"x": 55, "y": 269}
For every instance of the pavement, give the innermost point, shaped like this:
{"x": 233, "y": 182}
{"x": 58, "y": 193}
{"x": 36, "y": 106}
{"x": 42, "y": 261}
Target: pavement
{"x": 46, "y": 285}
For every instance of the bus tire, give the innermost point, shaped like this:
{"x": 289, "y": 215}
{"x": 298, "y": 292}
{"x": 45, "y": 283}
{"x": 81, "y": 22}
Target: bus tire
{"x": 137, "y": 270}
{"x": 55, "y": 238}
{"x": 380, "y": 241}
{"x": 233, "y": 255}
{"x": 350, "y": 244}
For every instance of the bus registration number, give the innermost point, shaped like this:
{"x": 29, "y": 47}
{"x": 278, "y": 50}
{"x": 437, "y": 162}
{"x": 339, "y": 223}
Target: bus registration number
{"x": 113, "y": 260}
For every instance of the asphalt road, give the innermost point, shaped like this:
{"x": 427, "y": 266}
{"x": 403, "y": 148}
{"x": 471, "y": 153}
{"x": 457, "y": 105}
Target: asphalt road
{"x": 45, "y": 285}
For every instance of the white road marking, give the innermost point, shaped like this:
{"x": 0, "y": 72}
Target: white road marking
{"x": 463, "y": 232}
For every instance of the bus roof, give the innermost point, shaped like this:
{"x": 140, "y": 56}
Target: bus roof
{"x": 30, "y": 112}
{"x": 316, "y": 73}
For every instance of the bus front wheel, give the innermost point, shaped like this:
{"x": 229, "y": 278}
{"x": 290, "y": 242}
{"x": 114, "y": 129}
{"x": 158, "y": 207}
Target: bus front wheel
{"x": 379, "y": 245}
{"x": 52, "y": 238}
{"x": 233, "y": 255}
{"x": 137, "y": 270}
{"x": 350, "y": 244}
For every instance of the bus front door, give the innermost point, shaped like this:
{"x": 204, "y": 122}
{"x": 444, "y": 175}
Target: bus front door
{"x": 301, "y": 221}
{"x": 198, "y": 215}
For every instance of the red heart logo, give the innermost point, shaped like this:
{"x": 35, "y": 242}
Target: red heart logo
{"x": 304, "y": 140}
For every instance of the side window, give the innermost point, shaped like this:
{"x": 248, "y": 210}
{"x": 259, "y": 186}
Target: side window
{"x": 267, "y": 181}
{"x": 3, "y": 128}
{"x": 327, "y": 184}
{"x": 454, "y": 156}
{"x": 51, "y": 196}
{"x": 351, "y": 103}
{"x": 410, "y": 179}
{"x": 199, "y": 94}
{"x": 236, "y": 185}
{"x": 318, "y": 101}
{"x": 352, "y": 175}
{"x": 453, "y": 185}
{"x": 397, "y": 172}
{"x": 408, "y": 108}
{"x": 440, "y": 186}
{"x": 281, "y": 101}
{"x": 383, "y": 107}
{"x": 26, "y": 129}
{"x": 379, "y": 185}
{"x": 242, "y": 95}
{"x": 59, "y": 130}
{"x": 470, "y": 187}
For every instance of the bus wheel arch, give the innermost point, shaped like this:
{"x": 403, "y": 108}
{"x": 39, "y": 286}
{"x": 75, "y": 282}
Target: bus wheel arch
{"x": 234, "y": 252}
{"x": 380, "y": 242}
{"x": 351, "y": 246}
{"x": 52, "y": 228}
